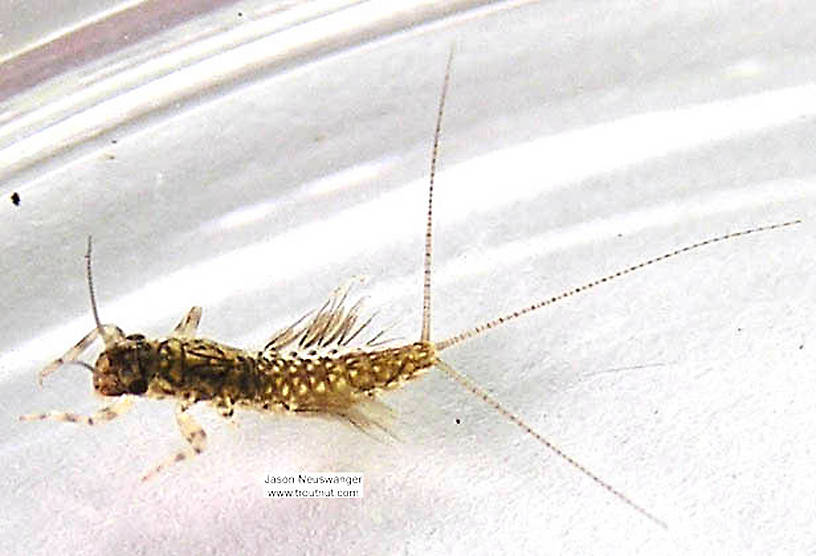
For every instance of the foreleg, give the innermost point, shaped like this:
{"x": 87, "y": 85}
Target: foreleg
{"x": 108, "y": 413}
{"x": 188, "y": 326}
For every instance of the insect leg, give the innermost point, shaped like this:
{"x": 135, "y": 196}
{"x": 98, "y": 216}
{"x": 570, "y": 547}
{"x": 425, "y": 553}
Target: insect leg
{"x": 192, "y": 433}
{"x": 187, "y": 327}
{"x": 108, "y": 413}
{"x": 226, "y": 409}
{"x": 72, "y": 355}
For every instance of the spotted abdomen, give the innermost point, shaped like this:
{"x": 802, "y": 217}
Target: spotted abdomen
{"x": 333, "y": 383}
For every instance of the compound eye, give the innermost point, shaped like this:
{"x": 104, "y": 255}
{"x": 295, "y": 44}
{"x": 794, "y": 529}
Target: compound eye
{"x": 138, "y": 387}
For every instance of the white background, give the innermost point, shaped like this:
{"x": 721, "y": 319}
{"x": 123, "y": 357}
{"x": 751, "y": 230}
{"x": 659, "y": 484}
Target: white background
{"x": 578, "y": 139}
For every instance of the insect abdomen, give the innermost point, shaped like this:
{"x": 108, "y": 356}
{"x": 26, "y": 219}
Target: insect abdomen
{"x": 332, "y": 383}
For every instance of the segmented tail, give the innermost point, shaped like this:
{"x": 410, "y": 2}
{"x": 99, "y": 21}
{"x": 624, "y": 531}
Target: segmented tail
{"x": 484, "y": 327}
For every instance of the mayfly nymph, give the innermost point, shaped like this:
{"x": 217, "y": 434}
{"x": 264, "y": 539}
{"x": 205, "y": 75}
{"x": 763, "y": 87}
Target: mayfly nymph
{"x": 318, "y": 365}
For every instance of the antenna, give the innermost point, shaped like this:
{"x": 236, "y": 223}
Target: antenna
{"x": 99, "y": 327}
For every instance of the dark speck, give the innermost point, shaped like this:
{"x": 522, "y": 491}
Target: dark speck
{"x": 801, "y": 346}
{"x": 114, "y": 141}
{"x": 240, "y": 14}
{"x": 15, "y": 198}
{"x": 458, "y": 421}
